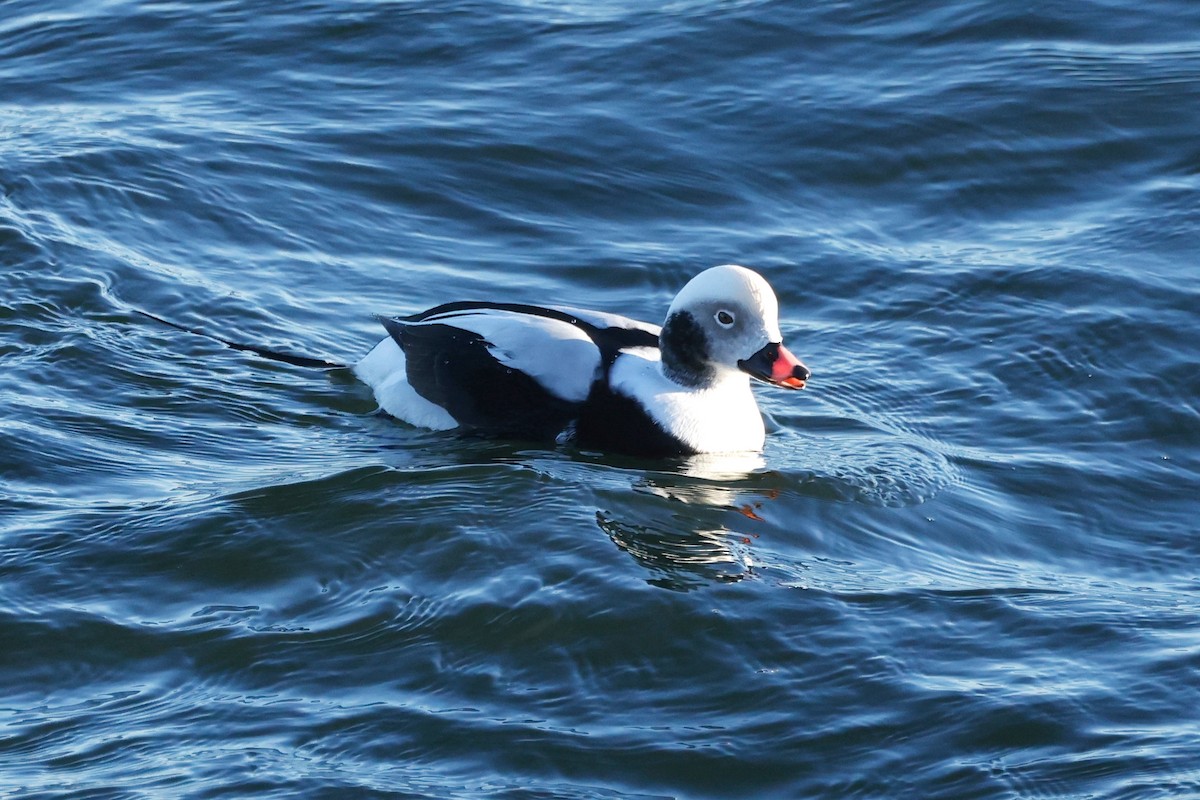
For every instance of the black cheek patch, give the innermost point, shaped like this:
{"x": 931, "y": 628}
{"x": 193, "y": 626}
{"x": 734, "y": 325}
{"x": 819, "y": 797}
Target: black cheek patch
{"x": 684, "y": 348}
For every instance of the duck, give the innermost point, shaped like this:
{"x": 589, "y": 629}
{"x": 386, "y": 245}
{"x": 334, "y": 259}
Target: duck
{"x": 591, "y": 379}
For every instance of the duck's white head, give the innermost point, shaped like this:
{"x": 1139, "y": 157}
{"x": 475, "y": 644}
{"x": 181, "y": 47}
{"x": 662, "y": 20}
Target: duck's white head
{"x": 724, "y": 321}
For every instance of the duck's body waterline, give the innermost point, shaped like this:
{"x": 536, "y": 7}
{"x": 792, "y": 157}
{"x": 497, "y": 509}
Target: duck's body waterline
{"x": 599, "y": 380}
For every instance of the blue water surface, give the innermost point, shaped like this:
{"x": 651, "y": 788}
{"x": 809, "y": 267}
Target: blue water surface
{"x": 967, "y": 564}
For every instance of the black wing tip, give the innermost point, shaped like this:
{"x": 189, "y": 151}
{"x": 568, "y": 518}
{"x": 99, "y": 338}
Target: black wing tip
{"x": 394, "y": 326}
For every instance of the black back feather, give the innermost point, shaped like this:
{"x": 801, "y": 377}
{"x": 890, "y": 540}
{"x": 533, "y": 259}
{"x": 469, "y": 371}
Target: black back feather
{"x": 453, "y": 368}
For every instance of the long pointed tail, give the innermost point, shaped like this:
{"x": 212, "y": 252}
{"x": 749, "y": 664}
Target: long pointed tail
{"x": 265, "y": 352}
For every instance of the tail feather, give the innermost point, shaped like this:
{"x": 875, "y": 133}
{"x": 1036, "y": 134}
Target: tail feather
{"x": 265, "y": 352}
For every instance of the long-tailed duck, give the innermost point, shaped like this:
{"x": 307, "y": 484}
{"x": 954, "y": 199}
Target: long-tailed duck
{"x": 598, "y": 380}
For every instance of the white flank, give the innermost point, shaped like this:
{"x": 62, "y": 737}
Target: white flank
{"x": 385, "y": 371}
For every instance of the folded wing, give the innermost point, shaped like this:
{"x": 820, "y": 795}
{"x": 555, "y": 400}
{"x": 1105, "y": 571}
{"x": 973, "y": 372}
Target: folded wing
{"x": 503, "y": 370}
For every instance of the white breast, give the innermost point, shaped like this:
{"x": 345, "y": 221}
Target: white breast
{"x": 723, "y": 418}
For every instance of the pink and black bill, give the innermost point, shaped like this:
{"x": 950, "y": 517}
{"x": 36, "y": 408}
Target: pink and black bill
{"x": 776, "y": 365}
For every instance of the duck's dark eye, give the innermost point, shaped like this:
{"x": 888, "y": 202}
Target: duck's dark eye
{"x": 724, "y": 319}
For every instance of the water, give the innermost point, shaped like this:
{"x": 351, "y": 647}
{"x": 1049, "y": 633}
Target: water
{"x": 966, "y": 566}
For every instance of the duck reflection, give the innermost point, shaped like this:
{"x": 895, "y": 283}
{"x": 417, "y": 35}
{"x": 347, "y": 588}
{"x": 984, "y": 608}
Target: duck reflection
{"x": 690, "y": 543}
{"x": 680, "y": 560}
